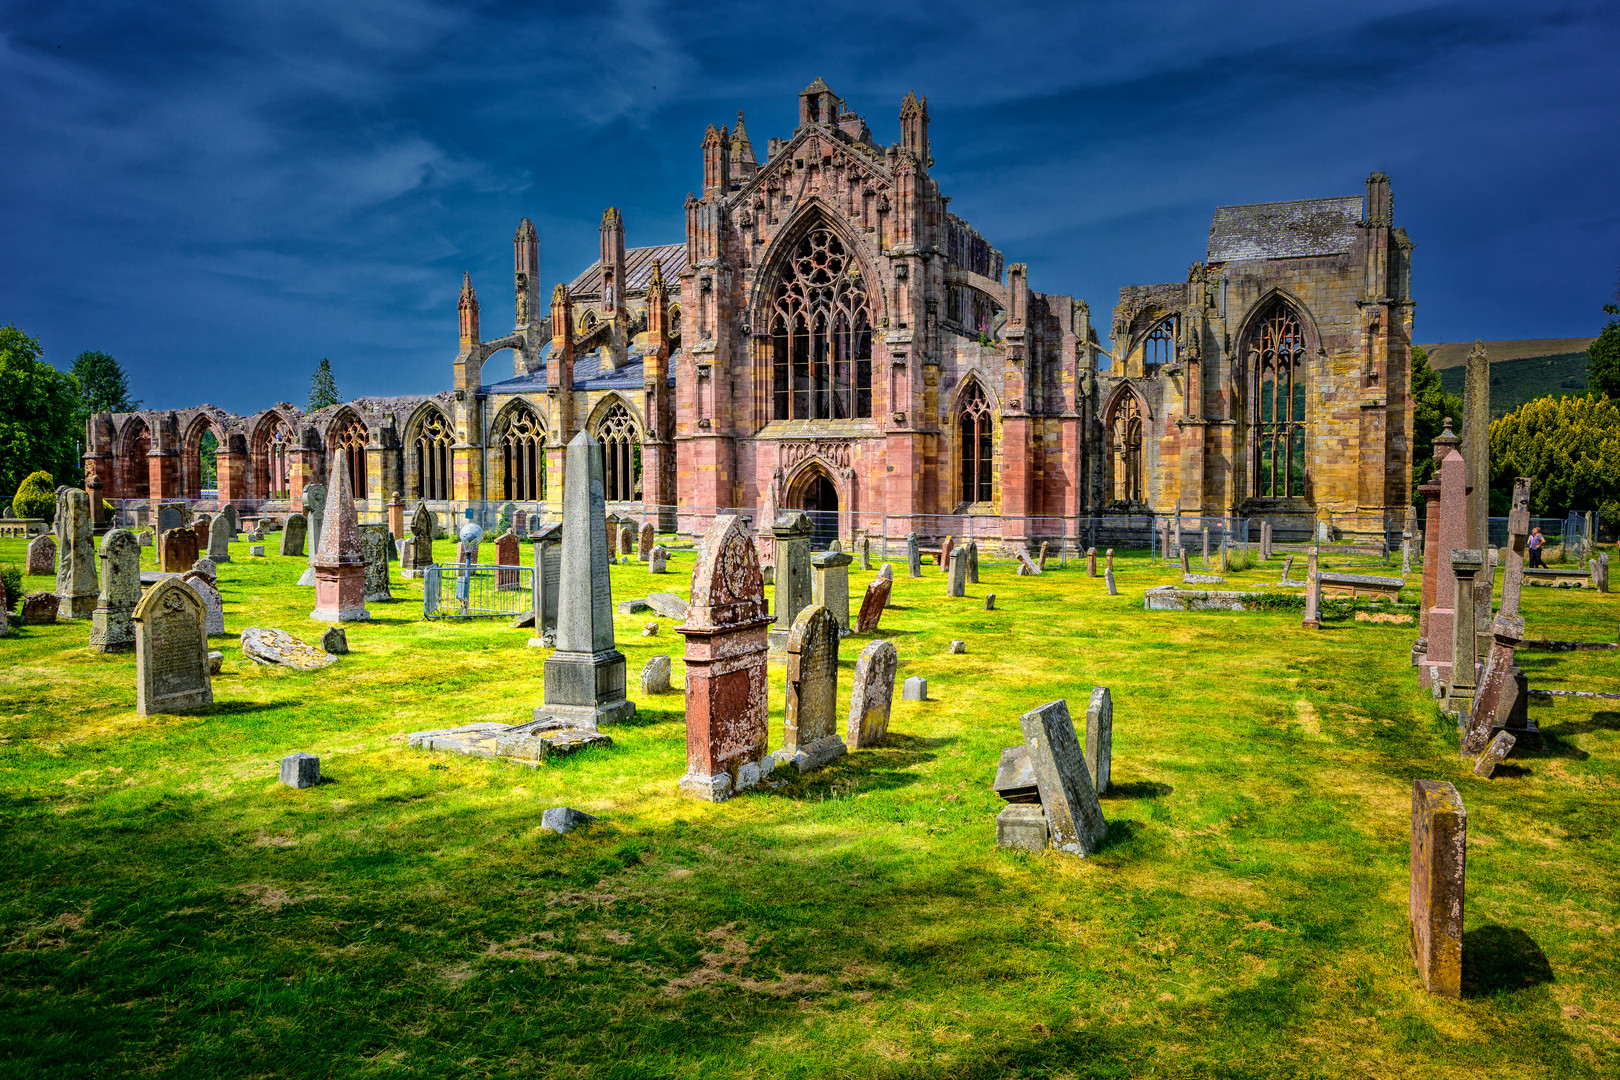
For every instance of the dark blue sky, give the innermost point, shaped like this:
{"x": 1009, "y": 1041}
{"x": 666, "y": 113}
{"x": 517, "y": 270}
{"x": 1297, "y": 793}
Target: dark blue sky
{"x": 220, "y": 194}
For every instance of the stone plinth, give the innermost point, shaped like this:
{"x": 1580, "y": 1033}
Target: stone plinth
{"x": 831, "y": 585}
{"x": 794, "y": 587}
{"x": 1067, "y": 795}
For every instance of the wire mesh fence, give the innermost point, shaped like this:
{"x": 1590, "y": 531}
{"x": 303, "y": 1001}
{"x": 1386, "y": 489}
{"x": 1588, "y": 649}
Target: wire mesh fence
{"x": 471, "y": 591}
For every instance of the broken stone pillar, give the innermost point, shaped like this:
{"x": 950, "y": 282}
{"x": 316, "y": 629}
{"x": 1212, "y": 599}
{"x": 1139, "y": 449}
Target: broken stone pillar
{"x": 1040, "y": 560}
{"x": 1497, "y": 700}
{"x": 340, "y": 564}
{"x": 1439, "y": 872}
{"x": 1313, "y": 594}
{"x": 794, "y": 588}
{"x": 913, "y": 556}
{"x": 1100, "y": 737}
{"x": 1451, "y": 536}
{"x": 1465, "y": 565}
{"x": 726, "y": 689}
{"x": 831, "y": 585}
{"x": 1067, "y": 796}
{"x": 76, "y": 562}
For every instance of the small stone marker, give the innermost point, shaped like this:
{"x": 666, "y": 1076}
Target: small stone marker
{"x": 1040, "y": 563}
{"x": 171, "y": 650}
{"x": 645, "y": 542}
{"x": 655, "y": 676}
{"x": 990, "y": 601}
{"x": 866, "y": 553}
{"x": 1313, "y": 595}
{"x": 649, "y": 629}
{"x": 957, "y": 648}
{"x": 1109, "y": 564}
{"x": 913, "y": 556}
{"x": 945, "y": 550}
{"x": 658, "y": 560}
{"x": 335, "y": 641}
{"x": 1493, "y": 755}
{"x": 42, "y": 555}
{"x": 633, "y": 607}
{"x": 564, "y": 819}
{"x": 973, "y": 562}
{"x": 1439, "y": 873}
{"x": 809, "y": 724}
{"x": 256, "y": 551}
{"x": 216, "y": 663}
{"x": 1067, "y": 796}
{"x": 1023, "y": 826}
{"x": 1091, "y": 562}
{"x": 872, "y": 695}
{"x": 1288, "y": 567}
{"x": 915, "y": 689}
{"x": 873, "y": 603}
{"x": 1100, "y": 737}
{"x": 38, "y": 609}
{"x": 300, "y": 770}
{"x": 668, "y": 605}
{"x": 956, "y": 584}
{"x": 271, "y": 648}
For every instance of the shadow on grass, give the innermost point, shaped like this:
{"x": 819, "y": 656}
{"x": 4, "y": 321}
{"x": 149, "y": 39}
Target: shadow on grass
{"x": 1554, "y": 746}
{"x": 1501, "y": 959}
{"x": 236, "y": 708}
{"x": 1138, "y": 789}
{"x": 1601, "y": 721}
{"x": 1120, "y": 834}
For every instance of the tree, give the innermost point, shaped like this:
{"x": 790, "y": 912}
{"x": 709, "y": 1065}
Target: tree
{"x": 1430, "y": 407}
{"x": 323, "y": 389}
{"x": 1569, "y": 447}
{"x": 1603, "y": 357}
{"x": 39, "y": 410}
{"x": 102, "y": 384}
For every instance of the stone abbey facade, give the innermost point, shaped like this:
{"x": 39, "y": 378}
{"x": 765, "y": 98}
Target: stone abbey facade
{"x": 831, "y": 337}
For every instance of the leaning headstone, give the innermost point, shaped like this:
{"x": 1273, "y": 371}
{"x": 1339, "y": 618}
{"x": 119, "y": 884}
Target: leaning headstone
{"x": 1067, "y": 795}
{"x": 831, "y": 585}
{"x": 973, "y": 562}
{"x": 42, "y": 555}
{"x": 913, "y": 555}
{"x": 1288, "y": 567}
{"x": 872, "y": 695}
{"x": 171, "y": 650}
{"x": 915, "y": 689}
{"x": 335, "y": 641}
{"x": 727, "y": 693}
{"x": 655, "y": 676}
{"x": 1438, "y": 877}
{"x": 300, "y": 770}
{"x": 1041, "y": 561}
{"x": 231, "y": 520}
{"x": 1497, "y": 700}
{"x": 1186, "y": 567}
{"x": 644, "y": 543}
{"x": 794, "y": 588}
{"x": 1494, "y": 753}
{"x": 1108, "y": 579}
{"x": 658, "y": 560}
{"x": 338, "y": 559}
{"x": 585, "y": 677}
{"x": 112, "y": 625}
{"x": 810, "y": 722}
{"x": 956, "y": 584}
{"x": 872, "y": 604}
{"x": 213, "y": 603}
{"x": 1100, "y": 737}
{"x": 1026, "y": 565}
{"x": 38, "y": 609}
{"x": 507, "y": 554}
{"x": 292, "y": 535}
{"x": 76, "y": 565}
{"x": 1206, "y": 546}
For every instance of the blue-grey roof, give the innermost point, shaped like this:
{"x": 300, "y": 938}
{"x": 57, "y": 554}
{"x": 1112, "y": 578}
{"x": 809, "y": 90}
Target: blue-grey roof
{"x": 1284, "y": 230}
{"x": 588, "y": 375}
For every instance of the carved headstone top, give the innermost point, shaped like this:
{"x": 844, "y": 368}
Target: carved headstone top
{"x": 812, "y": 673}
{"x": 171, "y": 650}
{"x": 728, "y": 589}
{"x": 791, "y": 524}
{"x": 339, "y": 543}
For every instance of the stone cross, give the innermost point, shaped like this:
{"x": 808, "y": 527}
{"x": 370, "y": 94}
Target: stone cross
{"x": 794, "y": 587}
{"x": 585, "y": 677}
{"x": 1438, "y": 877}
{"x": 76, "y": 566}
{"x": 42, "y": 555}
{"x": 112, "y": 625}
{"x": 873, "y": 603}
{"x": 810, "y": 721}
{"x": 1100, "y": 737}
{"x": 171, "y": 650}
{"x": 956, "y": 584}
{"x": 1313, "y": 594}
{"x": 913, "y": 555}
{"x": 339, "y": 562}
{"x": 292, "y": 535}
{"x": 872, "y": 695}
{"x": 727, "y": 692}
{"x": 973, "y": 562}
{"x": 645, "y": 542}
{"x": 1067, "y": 795}
{"x": 374, "y": 548}
{"x": 315, "y": 512}
{"x": 831, "y": 585}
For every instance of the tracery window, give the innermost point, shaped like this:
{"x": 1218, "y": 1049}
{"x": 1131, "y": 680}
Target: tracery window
{"x": 277, "y": 446}
{"x": 1125, "y": 448}
{"x": 1159, "y": 347}
{"x": 620, "y": 437}
{"x": 350, "y": 441}
{"x": 433, "y": 441}
{"x": 523, "y": 451}
{"x": 821, "y": 336}
{"x": 978, "y": 445}
{"x": 1276, "y": 356}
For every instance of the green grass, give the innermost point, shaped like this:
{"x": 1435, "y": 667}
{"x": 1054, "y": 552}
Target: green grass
{"x": 1514, "y": 382}
{"x": 170, "y": 910}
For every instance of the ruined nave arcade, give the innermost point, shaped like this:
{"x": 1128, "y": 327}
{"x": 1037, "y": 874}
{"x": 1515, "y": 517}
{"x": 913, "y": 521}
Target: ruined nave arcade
{"x": 831, "y": 336}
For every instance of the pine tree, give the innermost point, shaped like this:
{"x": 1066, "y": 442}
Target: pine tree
{"x": 103, "y": 384}
{"x": 323, "y": 389}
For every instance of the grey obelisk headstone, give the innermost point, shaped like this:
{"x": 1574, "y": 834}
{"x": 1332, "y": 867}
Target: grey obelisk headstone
{"x": 585, "y": 677}
{"x": 1067, "y": 794}
{"x": 112, "y": 626}
{"x": 76, "y": 556}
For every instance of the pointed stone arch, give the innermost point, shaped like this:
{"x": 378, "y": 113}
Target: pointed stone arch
{"x": 810, "y": 486}
{"x": 517, "y": 452}
{"x": 347, "y": 436}
{"x": 975, "y": 443}
{"x": 1276, "y": 341}
{"x": 619, "y": 427}
{"x": 430, "y": 435}
{"x": 1127, "y": 421}
{"x": 271, "y": 449}
{"x": 194, "y": 475}
{"x": 134, "y": 471}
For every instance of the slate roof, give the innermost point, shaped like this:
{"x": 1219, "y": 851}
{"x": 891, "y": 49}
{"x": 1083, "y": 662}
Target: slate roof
{"x": 637, "y": 270}
{"x": 588, "y": 375}
{"x": 1284, "y": 230}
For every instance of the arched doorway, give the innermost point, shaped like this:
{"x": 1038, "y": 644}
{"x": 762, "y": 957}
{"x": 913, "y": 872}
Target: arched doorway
{"x": 816, "y": 494}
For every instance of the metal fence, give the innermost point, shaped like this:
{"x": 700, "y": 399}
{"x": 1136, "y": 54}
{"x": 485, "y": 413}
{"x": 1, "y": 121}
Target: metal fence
{"x": 468, "y": 591}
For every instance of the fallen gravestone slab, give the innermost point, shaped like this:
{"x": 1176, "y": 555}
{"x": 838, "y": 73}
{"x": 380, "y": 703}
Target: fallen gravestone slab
{"x": 1067, "y": 795}
{"x": 668, "y": 605}
{"x": 564, "y": 819}
{"x": 273, "y": 648}
{"x": 527, "y": 744}
{"x": 1203, "y": 579}
{"x": 633, "y": 607}
{"x": 1015, "y": 776}
{"x": 300, "y": 770}
{"x": 1170, "y": 598}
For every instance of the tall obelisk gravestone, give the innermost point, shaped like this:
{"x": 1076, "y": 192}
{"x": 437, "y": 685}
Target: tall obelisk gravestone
{"x": 585, "y": 677}
{"x": 1476, "y": 451}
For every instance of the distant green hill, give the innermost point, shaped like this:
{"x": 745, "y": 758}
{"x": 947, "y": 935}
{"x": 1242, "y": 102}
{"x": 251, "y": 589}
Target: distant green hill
{"x": 1514, "y": 382}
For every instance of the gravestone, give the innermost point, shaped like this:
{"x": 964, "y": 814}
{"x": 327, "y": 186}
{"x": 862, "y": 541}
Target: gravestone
{"x": 627, "y": 540}
{"x": 726, "y": 689}
{"x": 1313, "y": 594}
{"x": 231, "y": 520}
{"x": 213, "y": 603}
{"x": 658, "y": 560}
{"x": 913, "y": 556}
{"x": 1108, "y": 579}
{"x": 1438, "y": 877}
{"x": 1026, "y": 565}
{"x": 1040, "y": 563}
{"x": 1288, "y": 567}
{"x": 1265, "y": 540}
{"x": 38, "y": 609}
{"x": 956, "y": 584}
{"x": 973, "y": 562}
{"x": 256, "y": 551}
{"x": 1100, "y": 738}
{"x": 42, "y": 555}
{"x": 1023, "y": 826}
{"x": 171, "y": 650}
{"x": 315, "y": 513}
{"x": 419, "y": 548}
{"x": 1067, "y": 795}
{"x": 810, "y": 721}
{"x": 206, "y": 568}
{"x": 547, "y": 576}
{"x": 886, "y": 571}
{"x": 300, "y": 770}
{"x": 507, "y": 554}
{"x": 335, "y": 641}
{"x": 655, "y": 676}
{"x": 1465, "y": 566}
{"x": 338, "y": 560}
{"x": 1091, "y": 562}
{"x": 872, "y": 604}
{"x": 1406, "y": 555}
{"x": 1600, "y": 573}
{"x": 668, "y": 605}
{"x": 871, "y": 695}
{"x": 831, "y": 585}
{"x": 374, "y": 545}
{"x": 292, "y": 535}
{"x": 1206, "y": 546}
{"x": 945, "y": 550}
{"x": 915, "y": 689}
{"x": 76, "y": 563}
{"x": 269, "y": 647}
{"x": 112, "y": 625}
{"x": 218, "y": 543}
{"x": 1186, "y": 567}
{"x": 644, "y": 543}
{"x": 1109, "y": 560}
{"x": 834, "y": 545}
{"x": 585, "y": 677}
{"x": 794, "y": 587}
{"x": 396, "y": 515}
{"x": 1497, "y": 701}
{"x": 5, "y": 611}
{"x": 866, "y": 553}
{"x": 1440, "y": 627}
{"x": 1493, "y": 754}
{"x": 956, "y": 648}
{"x": 169, "y": 517}
{"x": 990, "y": 601}
{"x": 178, "y": 550}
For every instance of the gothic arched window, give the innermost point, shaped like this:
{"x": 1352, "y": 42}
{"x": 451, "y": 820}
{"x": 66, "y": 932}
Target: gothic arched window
{"x": 978, "y": 444}
{"x": 432, "y": 449}
{"x": 350, "y": 440}
{"x": 621, "y": 454}
{"x": 1276, "y": 356}
{"x": 277, "y": 466}
{"x": 523, "y": 452}
{"x": 1159, "y": 347}
{"x": 137, "y": 470}
{"x": 1125, "y": 451}
{"x": 821, "y": 333}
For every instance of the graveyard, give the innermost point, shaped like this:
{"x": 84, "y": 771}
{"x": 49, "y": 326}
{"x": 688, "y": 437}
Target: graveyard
{"x": 175, "y": 909}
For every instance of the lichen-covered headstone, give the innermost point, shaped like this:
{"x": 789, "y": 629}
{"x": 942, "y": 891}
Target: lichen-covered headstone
{"x": 644, "y": 543}
{"x": 1108, "y": 579}
{"x": 374, "y": 545}
{"x": 171, "y": 650}
{"x": 1067, "y": 795}
{"x": 38, "y": 609}
{"x": 76, "y": 566}
{"x": 973, "y": 562}
{"x": 810, "y": 724}
{"x": 292, "y": 535}
{"x": 655, "y": 676}
{"x": 872, "y": 695}
{"x": 913, "y": 555}
{"x": 990, "y": 601}
{"x": 112, "y": 625}
{"x": 335, "y": 641}
{"x": 219, "y": 540}
{"x": 1438, "y": 878}
{"x": 658, "y": 560}
{"x": 213, "y": 603}
{"x": 42, "y": 555}
{"x": 1498, "y": 749}
{"x": 627, "y": 540}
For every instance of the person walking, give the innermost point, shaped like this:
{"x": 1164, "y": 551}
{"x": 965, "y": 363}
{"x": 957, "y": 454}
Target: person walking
{"x": 1534, "y": 543}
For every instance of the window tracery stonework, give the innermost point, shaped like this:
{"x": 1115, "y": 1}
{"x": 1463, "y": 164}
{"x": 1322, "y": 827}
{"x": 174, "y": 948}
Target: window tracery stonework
{"x": 350, "y": 441}
{"x": 620, "y": 437}
{"x": 1276, "y": 356}
{"x": 522, "y": 439}
{"x": 432, "y": 449}
{"x": 821, "y": 333}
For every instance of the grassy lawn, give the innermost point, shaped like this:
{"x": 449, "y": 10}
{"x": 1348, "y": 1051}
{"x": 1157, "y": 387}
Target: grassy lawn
{"x": 169, "y": 909}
